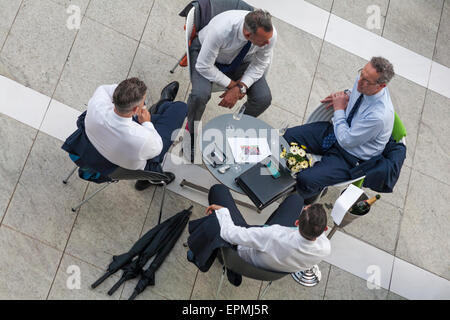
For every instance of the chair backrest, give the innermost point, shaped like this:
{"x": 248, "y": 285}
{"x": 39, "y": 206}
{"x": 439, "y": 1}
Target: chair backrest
{"x": 125, "y": 174}
{"x": 235, "y": 263}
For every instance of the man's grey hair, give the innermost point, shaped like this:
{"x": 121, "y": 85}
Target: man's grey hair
{"x": 384, "y": 68}
{"x": 258, "y": 19}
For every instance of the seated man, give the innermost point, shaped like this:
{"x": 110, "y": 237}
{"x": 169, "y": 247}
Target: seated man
{"x": 285, "y": 244}
{"x": 234, "y": 51}
{"x": 122, "y": 130}
{"x": 362, "y": 127}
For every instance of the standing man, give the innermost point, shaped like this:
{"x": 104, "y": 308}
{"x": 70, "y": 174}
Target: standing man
{"x": 362, "y": 127}
{"x": 234, "y": 51}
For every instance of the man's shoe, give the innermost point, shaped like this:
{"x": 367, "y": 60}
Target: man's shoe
{"x": 169, "y": 93}
{"x": 144, "y": 184}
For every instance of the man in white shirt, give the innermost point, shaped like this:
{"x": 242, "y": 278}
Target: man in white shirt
{"x": 138, "y": 143}
{"x": 285, "y": 244}
{"x": 234, "y": 51}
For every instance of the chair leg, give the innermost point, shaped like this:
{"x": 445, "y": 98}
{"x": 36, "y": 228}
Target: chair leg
{"x": 221, "y": 282}
{"x": 162, "y": 203}
{"x": 265, "y": 290}
{"x": 65, "y": 181}
{"x": 93, "y": 195}
{"x": 178, "y": 63}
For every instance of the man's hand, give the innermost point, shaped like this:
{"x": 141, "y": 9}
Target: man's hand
{"x": 230, "y": 98}
{"x": 338, "y": 101}
{"x": 210, "y": 210}
{"x": 143, "y": 115}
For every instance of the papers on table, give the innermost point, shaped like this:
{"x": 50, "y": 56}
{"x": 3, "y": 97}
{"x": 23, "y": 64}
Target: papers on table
{"x": 249, "y": 150}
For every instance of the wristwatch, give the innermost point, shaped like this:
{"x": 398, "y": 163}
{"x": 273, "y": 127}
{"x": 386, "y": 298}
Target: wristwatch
{"x": 348, "y": 92}
{"x": 242, "y": 88}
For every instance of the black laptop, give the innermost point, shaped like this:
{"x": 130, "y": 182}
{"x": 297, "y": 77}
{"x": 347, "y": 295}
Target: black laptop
{"x": 266, "y": 182}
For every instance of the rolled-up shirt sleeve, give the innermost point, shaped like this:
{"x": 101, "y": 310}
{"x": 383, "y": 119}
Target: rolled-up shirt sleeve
{"x": 207, "y": 58}
{"x": 256, "y": 238}
{"x": 360, "y": 131}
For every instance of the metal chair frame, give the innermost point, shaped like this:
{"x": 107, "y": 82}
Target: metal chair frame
{"x": 230, "y": 259}
{"x": 125, "y": 174}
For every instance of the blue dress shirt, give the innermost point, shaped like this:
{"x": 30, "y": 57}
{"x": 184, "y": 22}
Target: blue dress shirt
{"x": 371, "y": 126}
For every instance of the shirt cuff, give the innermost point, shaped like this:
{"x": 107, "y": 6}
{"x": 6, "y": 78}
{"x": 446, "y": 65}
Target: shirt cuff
{"x": 248, "y": 81}
{"x": 224, "y": 81}
{"x": 148, "y": 125}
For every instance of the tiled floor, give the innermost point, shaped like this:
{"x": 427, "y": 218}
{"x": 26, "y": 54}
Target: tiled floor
{"x": 48, "y": 73}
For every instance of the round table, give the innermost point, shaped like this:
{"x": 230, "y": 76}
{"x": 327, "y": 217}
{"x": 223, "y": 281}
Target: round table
{"x": 215, "y": 135}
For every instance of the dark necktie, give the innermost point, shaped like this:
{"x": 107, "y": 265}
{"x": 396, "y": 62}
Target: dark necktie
{"x": 225, "y": 68}
{"x": 331, "y": 138}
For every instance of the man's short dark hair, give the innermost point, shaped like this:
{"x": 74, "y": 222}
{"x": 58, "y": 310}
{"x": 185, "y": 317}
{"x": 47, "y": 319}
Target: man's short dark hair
{"x": 384, "y": 68}
{"x": 258, "y": 19}
{"x": 128, "y": 94}
{"x": 313, "y": 221}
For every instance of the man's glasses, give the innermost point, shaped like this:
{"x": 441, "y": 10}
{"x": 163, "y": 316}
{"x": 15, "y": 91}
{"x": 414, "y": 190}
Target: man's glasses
{"x": 364, "y": 80}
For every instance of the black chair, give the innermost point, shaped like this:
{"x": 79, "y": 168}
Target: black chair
{"x": 119, "y": 174}
{"x": 231, "y": 260}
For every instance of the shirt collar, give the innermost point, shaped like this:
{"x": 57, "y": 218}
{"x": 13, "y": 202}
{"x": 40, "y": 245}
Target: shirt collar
{"x": 240, "y": 35}
{"x": 117, "y": 118}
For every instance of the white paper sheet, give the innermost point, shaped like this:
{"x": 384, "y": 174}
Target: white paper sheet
{"x": 249, "y": 150}
{"x": 345, "y": 202}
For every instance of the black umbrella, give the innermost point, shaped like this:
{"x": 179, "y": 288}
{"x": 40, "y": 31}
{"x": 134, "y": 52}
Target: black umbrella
{"x": 148, "y": 277}
{"x": 132, "y": 269}
{"x": 122, "y": 260}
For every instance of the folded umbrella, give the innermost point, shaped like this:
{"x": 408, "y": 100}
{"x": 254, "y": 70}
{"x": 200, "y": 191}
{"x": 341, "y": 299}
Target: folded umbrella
{"x": 124, "y": 259}
{"x": 148, "y": 277}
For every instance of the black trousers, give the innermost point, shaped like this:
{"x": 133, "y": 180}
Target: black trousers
{"x": 286, "y": 214}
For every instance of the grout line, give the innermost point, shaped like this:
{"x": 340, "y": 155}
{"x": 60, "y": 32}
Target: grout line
{"x": 385, "y": 19}
{"x": 326, "y": 285}
{"x": 437, "y": 32}
{"x": 9, "y": 30}
{"x": 140, "y": 39}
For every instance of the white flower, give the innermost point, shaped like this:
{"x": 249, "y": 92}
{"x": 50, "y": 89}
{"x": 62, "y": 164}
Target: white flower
{"x": 304, "y": 164}
{"x": 292, "y": 161}
{"x": 295, "y": 150}
{"x": 302, "y": 153}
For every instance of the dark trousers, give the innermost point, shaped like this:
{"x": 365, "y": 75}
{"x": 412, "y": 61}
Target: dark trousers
{"x": 286, "y": 214}
{"x": 259, "y": 96}
{"x": 170, "y": 117}
{"x": 332, "y": 169}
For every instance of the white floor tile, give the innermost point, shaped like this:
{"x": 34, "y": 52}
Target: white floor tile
{"x": 298, "y": 13}
{"x": 60, "y": 120}
{"x": 22, "y": 103}
{"x": 440, "y": 79}
{"x": 415, "y": 283}
{"x": 357, "y": 257}
{"x": 366, "y": 45}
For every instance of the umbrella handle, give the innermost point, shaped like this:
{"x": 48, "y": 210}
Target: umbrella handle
{"x": 134, "y": 295}
{"x": 100, "y": 281}
{"x": 116, "y": 286}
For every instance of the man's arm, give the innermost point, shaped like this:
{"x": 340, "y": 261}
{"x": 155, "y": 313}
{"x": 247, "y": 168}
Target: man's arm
{"x": 256, "y": 238}
{"x": 207, "y": 58}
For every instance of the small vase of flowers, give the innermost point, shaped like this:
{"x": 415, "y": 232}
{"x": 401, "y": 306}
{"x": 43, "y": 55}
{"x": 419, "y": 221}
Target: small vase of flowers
{"x": 297, "y": 159}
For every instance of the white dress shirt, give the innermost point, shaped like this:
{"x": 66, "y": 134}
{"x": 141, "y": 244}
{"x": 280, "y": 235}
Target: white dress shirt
{"x": 275, "y": 247}
{"x": 222, "y": 40}
{"x": 120, "y": 140}
{"x": 371, "y": 126}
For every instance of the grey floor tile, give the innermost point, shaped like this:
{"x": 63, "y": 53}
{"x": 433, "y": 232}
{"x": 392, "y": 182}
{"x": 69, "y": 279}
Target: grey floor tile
{"x": 424, "y": 239}
{"x": 12, "y": 162}
{"x": 152, "y": 66}
{"x": 393, "y": 296}
{"x": 379, "y": 227}
{"x": 65, "y": 286}
{"x": 432, "y": 152}
{"x": 99, "y": 56}
{"x": 443, "y": 40}
{"x": 38, "y": 45}
{"x": 408, "y": 99}
{"x": 28, "y": 266}
{"x": 345, "y": 286}
{"x": 275, "y": 116}
{"x": 110, "y": 223}
{"x": 414, "y": 24}
{"x": 116, "y": 15}
{"x": 288, "y": 289}
{"x": 290, "y": 77}
{"x": 8, "y": 11}
{"x": 368, "y": 14}
{"x": 337, "y": 71}
{"x": 165, "y": 29}
{"x": 41, "y": 205}
{"x": 176, "y": 276}
{"x": 324, "y": 4}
